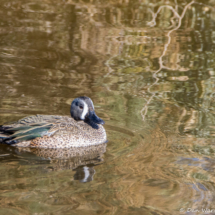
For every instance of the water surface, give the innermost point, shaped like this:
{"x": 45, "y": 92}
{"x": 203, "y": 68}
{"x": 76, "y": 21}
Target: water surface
{"x": 149, "y": 68}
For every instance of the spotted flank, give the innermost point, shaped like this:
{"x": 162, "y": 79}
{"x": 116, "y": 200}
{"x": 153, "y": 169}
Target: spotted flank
{"x": 83, "y": 128}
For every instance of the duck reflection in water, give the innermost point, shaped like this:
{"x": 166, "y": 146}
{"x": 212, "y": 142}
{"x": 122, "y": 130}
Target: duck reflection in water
{"x": 82, "y": 160}
{"x": 84, "y": 174}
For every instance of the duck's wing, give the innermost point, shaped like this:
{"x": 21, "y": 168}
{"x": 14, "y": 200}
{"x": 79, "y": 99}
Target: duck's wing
{"x": 10, "y": 135}
{"x": 29, "y": 128}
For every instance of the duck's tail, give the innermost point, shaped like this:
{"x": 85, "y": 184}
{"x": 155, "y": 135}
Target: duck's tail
{"x": 4, "y": 133}
{"x": 13, "y": 135}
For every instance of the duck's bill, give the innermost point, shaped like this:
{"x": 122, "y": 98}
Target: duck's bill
{"x": 92, "y": 117}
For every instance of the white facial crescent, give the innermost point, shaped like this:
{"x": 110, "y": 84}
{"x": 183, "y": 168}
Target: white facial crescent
{"x": 85, "y": 111}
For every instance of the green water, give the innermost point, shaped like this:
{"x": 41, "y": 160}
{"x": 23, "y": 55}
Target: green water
{"x": 149, "y": 68}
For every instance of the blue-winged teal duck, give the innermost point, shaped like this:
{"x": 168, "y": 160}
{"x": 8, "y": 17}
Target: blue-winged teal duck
{"x": 83, "y": 128}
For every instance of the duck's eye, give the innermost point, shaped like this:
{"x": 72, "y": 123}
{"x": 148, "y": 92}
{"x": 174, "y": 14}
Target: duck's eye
{"x": 81, "y": 107}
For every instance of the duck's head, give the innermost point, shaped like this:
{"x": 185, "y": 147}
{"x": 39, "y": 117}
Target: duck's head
{"x": 82, "y": 109}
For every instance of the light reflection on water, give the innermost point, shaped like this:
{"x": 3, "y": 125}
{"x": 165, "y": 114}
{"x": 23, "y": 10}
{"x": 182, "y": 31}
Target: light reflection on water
{"x": 148, "y": 67}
